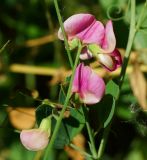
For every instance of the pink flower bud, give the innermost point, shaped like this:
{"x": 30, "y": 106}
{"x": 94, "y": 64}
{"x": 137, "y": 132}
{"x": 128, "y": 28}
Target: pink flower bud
{"x": 110, "y": 61}
{"x": 88, "y": 85}
{"x": 37, "y": 139}
{"x": 34, "y": 139}
{"x": 107, "y": 61}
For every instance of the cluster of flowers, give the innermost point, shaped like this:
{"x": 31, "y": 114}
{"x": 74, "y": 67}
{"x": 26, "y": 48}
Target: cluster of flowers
{"x": 97, "y": 41}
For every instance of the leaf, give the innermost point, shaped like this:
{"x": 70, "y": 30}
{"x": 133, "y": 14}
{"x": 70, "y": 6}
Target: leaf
{"x": 43, "y": 111}
{"x": 141, "y": 38}
{"x": 112, "y": 88}
{"x": 105, "y": 110}
{"x": 111, "y": 113}
{"x": 139, "y": 86}
{"x": 70, "y": 127}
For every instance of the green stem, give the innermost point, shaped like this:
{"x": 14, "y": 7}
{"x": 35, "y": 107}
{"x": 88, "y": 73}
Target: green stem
{"x": 93, "y": 148}
{"x": 4, "y": 46}
{"x": 103, "y": 142}
{"x": 90, "y": 134}
{"x": 63, "y": 31}
{"x": 132, "y": 33}
{"x": 51, "y": 143}
{"x": 80, "y": 150}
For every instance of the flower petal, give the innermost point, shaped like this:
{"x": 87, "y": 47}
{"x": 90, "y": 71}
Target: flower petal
{"x": 109, "y": 41}
{"x": 111, "y": 61}
{"x": 95, "y": 89}
{"x": 88, "y": 85}
{"x": 117, "y": 56}
{"x": 93, "y": 34}
{"x": 80, "y": 78}
{"x": 107, "y": 62}
{"x": 34, "y": 139}
{"x": 76, "y": 24}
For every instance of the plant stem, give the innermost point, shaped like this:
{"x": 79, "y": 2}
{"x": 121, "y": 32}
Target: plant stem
{"x": 90, "y": 133}
{"x": 51, "y": 143}
{"x": 80, "y": 150}
{"x": 132, "y": 32}
{"x": 63, "y": 32}
{"x": 103, "y": 142}
{"x": 4, "y": 46}
{"x": 93, "y": 148}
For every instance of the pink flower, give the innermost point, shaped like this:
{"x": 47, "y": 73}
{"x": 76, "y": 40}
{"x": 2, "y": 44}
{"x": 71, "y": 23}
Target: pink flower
{"x": 90, "y": 31}
{"x": 37, "y": 139}
{"x": 88, "y": 85}
{"x": 34, "y": 139}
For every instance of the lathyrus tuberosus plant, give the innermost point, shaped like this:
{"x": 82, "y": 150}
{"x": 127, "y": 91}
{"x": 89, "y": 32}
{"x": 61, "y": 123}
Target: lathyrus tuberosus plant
{"x": 92, "y": 39}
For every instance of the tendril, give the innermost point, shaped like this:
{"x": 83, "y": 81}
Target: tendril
{"x": 118, "y": 11}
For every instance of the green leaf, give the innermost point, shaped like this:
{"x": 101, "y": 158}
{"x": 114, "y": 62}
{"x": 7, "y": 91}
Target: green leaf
{"x": 43, "y": 111}
{"x": 111, "y": 113}
{"x": 103, "y": 110}
{"x": 112, "y": 88}
{"x": 69, "y": 128}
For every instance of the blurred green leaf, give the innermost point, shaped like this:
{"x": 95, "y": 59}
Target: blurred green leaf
{"x": 18, "y": 152}
{"x": 112, "y": 88}
{"x": 140, "y": 41}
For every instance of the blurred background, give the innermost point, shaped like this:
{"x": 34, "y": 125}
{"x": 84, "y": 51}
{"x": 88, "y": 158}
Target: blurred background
{"x": 33, "y": 64}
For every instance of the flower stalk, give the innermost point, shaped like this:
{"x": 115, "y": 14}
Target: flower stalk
{"x": 53, "y": 137}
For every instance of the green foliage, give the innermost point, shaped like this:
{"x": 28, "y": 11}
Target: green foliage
{"x": 70, "y": 126}
{"x": 112, "y": 88}
{"x": 19, "y": 152}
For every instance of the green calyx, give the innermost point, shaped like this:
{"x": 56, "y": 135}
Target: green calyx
{"x": 94, "y": 49}
{"x": 45, "y": 124}
{"x": 73, "y": 43}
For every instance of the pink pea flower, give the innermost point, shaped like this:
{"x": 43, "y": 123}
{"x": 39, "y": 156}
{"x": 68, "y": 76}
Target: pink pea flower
{"x": 34, "y": 139}
{"x": 88, "y": 85}
{"x": 37, "y": 139}
{"x": 90, "y": 31}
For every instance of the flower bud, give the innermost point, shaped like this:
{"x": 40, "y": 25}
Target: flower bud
{"x": 37, "y": 139}
{"x": 107, "y": 61}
